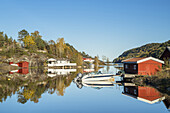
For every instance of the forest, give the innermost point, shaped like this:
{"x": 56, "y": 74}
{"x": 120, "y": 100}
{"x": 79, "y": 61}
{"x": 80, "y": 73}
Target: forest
{"x": 152, "y": 49}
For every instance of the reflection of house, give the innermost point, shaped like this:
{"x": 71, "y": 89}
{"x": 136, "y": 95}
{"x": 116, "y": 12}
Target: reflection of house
{"x": 142, "y": 66}
{"x": 54, "y": 72}
{"x": 59, "y": 62}
{"x": 88, "y": 70}
{"x": 166, "y": 54}
{"x": 20, "y": 71}
{"x": 167, "y": 103}
{"x": 145, "y": 94}
{"x": 20, "y": 64}
{"x": 90, "y": 60}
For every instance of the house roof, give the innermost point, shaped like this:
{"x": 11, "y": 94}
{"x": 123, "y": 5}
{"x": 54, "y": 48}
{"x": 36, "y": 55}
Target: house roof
{"x": 133, "y": 59}
{"x": 142, "y": 59}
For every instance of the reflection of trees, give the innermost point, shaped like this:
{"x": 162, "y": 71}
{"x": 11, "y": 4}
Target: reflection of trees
{"x": 33, "y": 88}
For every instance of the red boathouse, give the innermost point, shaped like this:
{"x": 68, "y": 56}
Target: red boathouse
{"x": 23, "y": 64}
{"x": 142, "y": 66}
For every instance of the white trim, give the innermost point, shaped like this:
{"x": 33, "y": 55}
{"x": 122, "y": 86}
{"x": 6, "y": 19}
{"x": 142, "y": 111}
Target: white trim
{"x": 150, "y": 58}
{"x": 151, "y": 102}
{"x": 51, "y": 59}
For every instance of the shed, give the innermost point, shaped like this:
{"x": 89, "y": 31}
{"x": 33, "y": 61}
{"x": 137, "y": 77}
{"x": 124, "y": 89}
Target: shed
{"x": 23, "y": 64}
{"x": 142, "y": 66}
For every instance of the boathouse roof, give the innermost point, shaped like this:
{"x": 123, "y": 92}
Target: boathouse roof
{"x": 142, "y": 59}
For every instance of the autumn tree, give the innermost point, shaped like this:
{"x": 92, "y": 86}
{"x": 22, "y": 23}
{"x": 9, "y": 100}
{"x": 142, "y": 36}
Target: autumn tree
{"x": 30, "y": 43}
{"x": 61, "y": 45}
{"x": 79, "y": 59}
{"x": 96, "y": 63}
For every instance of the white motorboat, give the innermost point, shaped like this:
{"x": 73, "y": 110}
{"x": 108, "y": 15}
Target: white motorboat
{"x": 96, "y": 77}
{"x": 93, "y": 77}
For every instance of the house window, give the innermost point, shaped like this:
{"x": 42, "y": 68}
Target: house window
{"x": 126, "y": 66}
{"x": 135, "y": 92}
{"x": 126, "y": 89}
{"x": 134, "y": 67}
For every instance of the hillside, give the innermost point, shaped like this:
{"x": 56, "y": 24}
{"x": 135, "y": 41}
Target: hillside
{"x": 152, "y": 49}
{"x": 31, "y": 46}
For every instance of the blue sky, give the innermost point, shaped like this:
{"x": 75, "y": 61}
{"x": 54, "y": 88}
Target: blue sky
{"x": 98, "y": 27}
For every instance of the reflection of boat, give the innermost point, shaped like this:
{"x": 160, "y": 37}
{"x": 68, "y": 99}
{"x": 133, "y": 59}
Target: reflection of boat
{"x": 99, "y": 84}
{"x": 54, "y": 72}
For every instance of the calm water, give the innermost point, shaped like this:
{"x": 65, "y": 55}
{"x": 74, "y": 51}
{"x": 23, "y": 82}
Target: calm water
{"x": 63, "y": 96}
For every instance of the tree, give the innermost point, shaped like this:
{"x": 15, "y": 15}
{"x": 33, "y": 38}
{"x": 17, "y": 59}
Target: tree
{"x": 36, "y": 34}
{"x": 22, "y": 34}
{"x": 103, "y": 58}
{"x": 79, "y": 59}
{"x": 61, "y": 45}
{"x": 40, "y": 43}
{"x": 96, "y": 63}
{"x": 2, "y": 39}
{"x": 52, "y": 46}
{"x": 28, "y": 41}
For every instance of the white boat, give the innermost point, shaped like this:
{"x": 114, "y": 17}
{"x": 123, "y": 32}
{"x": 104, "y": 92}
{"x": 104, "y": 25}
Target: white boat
{"x": 93, "y": 77}
{"x": 96, "y": 77}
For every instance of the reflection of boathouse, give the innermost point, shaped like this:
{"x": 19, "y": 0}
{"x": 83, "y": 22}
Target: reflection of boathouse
{"x": 142, "y": 66}
{"x": 59, "y": 62}
{"x": 20, "y": 71}
{"x": 145, "y": 94}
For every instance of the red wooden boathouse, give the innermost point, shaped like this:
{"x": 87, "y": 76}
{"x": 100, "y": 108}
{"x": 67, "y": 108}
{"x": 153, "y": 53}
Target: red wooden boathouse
{"x": 23, "y": 64}
{"x": 142, "y": 66}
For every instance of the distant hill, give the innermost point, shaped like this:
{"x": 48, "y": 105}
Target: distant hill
{"x": 152, "y": 49}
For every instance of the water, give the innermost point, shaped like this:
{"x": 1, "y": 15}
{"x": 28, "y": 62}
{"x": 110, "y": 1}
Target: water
{"x": 63, "y": 96}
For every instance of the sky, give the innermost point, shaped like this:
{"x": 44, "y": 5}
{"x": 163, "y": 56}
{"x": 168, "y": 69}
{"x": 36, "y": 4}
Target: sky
{"x": 98, "y": 27}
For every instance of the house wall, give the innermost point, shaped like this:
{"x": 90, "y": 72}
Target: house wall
{"x": 149, "y": 67}
{"x": 23, "y": 64}
{"x": 129, "y": 68}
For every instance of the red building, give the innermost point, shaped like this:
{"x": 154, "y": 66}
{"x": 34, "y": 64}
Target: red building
{"x": 88, "y": 60}
{"x": 23, "y": 64}
{"x": 142, "y": 66}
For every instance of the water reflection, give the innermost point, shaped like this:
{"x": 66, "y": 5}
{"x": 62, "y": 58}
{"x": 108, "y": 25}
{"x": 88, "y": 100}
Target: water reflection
{"x": 30, "y": 85}
{"x": 145, "y": 94}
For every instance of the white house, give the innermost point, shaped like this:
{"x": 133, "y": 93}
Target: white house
{"x": 60, "y": 62}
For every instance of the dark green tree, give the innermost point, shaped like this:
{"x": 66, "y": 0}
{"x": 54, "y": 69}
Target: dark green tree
{"x": 22, "y": 34}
